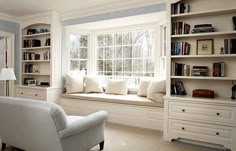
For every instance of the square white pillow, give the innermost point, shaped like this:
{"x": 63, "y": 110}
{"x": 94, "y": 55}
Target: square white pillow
{"x": 156, "y": 87}
{"x": 117, "y": 87}
{"x": 92, "y": 84}
{"x": 74, "y": 83}
{"x": 143, "y": 86}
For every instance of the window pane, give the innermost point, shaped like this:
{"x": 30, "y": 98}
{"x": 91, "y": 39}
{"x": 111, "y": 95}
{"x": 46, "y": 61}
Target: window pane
{"x": 109, "y": 40}
{"x": 128, "y": 52}
{"x": 100, "y": 65}
{"x": 127, "y": 38}
{"x": 126, "y": 55}
{"x": 138, "y": 65}
{"x": 78, "y": 51}
{"x": 83, "y": 41}
{"x": 100, "y": 54}
{"x": 83, "y": 53}
{"x": 109, "y": 53}
{"x": 101, "y": 40}
{"x": 127, "y": 65}
{"x": 118, "y": 65}
{"x": 74, "y": 65}
{"x": 118, "y": 52}
{"x": 118, "y": 39}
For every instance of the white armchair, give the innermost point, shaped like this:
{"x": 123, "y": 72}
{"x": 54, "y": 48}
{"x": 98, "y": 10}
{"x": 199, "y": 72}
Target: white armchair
{"x": 41, "y": 126}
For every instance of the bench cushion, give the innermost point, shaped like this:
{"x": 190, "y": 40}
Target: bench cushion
{"x": 111, "y": 98}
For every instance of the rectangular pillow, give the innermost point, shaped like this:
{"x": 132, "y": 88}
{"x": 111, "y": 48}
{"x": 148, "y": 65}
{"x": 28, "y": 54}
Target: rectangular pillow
{"x": 116, "y": 87}
{"x": 92, "y": 84}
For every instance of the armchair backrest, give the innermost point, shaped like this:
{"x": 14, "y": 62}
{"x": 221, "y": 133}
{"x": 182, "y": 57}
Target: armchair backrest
{"x": 32, "y": 125}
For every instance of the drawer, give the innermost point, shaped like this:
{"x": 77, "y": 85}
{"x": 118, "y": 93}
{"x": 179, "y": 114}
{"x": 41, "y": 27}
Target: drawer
{"x": 24, "y": 93}
{"x": 209, "y": 113}
{"x": 200, "y": 132}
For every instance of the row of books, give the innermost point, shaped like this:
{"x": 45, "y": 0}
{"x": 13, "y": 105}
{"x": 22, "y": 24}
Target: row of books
{"x": 218, "y": 69}
{"x": 199, "y": 71}
{"x": 31, "y": 68}
{"x": 30, "y": 56}
{"x": 180, "y": 48}
{"x": 177, "y": 88}
{"x": 179, "y": 8}
{"x": 179, "y": 28}
{"x": 230, "y": 46}
{"x": 31, "y": 43}
{"x": 179, "y": 69}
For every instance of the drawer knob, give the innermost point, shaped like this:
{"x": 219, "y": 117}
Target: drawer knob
{"x": 36, "y": 94}
{"x": 183, "y": 110}
{"x": 218, "y": 114}
{"x": 183, "y": 128}
{"x": 217, "y": 133}
{"x": 21, "y": 93}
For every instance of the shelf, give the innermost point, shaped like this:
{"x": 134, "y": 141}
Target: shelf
{"x": 221, "y": 100}
{"x": 35, "y": 35}
{"x": 203, "y": 78}
{"x": 32, "y": 48}
{"x": 35, "y": 61}
{"x": 202, "y": 14}
{"x": 204, "y": 34}
{"x": 205, "y": 56}
{"x": 36, "y": 74}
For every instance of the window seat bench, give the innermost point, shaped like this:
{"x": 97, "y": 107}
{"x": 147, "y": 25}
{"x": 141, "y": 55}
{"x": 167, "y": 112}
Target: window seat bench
{"x": 128, "y": 109}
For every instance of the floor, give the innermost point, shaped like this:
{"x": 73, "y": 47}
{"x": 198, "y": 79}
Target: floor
{"x": 125, "y": 138}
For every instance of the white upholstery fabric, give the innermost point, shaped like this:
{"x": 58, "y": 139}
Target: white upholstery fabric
{"x": 40, "y": 126}
{"x": 116, "y": 87}
{"x": 143, "y": 86}
{"x": 74, "y": 83}
{"x": 92, "y": 84}
{"x": 128, "y": 99}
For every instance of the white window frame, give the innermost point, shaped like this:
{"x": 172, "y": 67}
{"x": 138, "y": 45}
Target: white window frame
{"x": 92, "y": 55}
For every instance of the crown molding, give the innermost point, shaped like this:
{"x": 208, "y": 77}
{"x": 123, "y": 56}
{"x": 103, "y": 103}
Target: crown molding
{"x": 108, "y": 8}
{"x": 9, "y": 18}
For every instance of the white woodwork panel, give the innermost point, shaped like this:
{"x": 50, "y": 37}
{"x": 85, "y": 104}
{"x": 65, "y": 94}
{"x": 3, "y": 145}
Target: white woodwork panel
{"x": 139, "y": 116}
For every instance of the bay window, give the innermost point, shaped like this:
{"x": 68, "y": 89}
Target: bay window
{"x": 118, "y": 53}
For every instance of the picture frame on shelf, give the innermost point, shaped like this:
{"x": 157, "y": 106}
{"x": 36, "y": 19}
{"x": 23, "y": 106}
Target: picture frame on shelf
{"x": 32, "y": 83}
{"x": 205, "y": 46}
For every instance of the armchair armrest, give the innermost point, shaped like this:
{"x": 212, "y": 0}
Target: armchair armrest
{"x": 83, "y": 124}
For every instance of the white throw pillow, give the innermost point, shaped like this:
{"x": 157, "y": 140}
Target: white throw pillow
{"x": 74, "y": 83}
{"x": 143, "y": 86}
{"x": 156, "y": 87}
{"x": 92, "y": 84}
{"x": 116, "y": 87}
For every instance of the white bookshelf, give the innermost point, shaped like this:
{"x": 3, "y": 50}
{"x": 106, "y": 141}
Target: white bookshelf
{"x": 193, "y": 118}
{"x": 40, "y": 57}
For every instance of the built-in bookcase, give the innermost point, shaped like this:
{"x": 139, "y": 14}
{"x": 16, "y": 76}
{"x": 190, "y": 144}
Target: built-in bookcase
{"x": 199, "y": 119}
{"x": 36, "y": 48}
{"x": 220, "y": 16}
{"x": 40, "y": 58}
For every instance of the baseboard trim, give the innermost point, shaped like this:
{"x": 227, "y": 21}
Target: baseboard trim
{"x": 131, "y": 115}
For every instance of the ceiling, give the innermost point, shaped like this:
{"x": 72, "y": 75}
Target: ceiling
{"x": 20, "y": 8}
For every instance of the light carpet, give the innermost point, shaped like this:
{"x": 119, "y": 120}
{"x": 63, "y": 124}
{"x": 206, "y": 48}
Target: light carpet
{"x": 125, "y": 138}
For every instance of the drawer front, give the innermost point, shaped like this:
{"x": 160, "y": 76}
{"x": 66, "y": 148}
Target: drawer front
{"x": 210, "y": 113}
{"x": 201, "y": 132}
{"x": 24, "y": 93}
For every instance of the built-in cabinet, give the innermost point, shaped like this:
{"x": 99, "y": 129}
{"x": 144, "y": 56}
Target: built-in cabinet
{"x": 207, "y": 60}
{"x": 40, "y": 58}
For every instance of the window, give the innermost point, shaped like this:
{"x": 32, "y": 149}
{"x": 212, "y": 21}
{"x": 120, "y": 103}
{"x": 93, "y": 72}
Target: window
{"x": 129, "y": 52}
{"x": 125, "y": 55}
{"x": 78, "y": 52}
{"x": 163, "y": 30}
